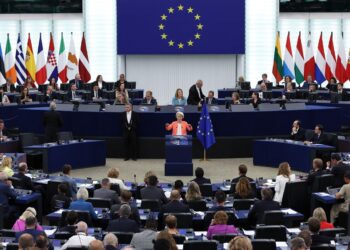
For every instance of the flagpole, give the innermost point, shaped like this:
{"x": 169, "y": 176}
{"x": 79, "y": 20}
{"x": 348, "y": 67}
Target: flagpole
{"x": 204, "y": 156}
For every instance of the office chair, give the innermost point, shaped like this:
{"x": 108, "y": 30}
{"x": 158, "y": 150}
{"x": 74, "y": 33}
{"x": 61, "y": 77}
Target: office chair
{"x": 150, "y": 204}
{"x": 200, "y": 205}
{"x": 200, "y": 245}
{"x": 206, "y": 190}
{"x": 184, "y": 220}
{"x": 278, "y": 233}
{"x": 273, "y": 217}
{"x": 264, "y": 244}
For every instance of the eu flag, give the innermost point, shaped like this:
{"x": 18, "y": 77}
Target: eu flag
{"x": 205, "y": 132}
{"x": 181, "y": 27}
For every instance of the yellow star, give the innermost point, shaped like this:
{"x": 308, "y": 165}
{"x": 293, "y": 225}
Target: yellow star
{"x": 164, "y": 36}
{"x": 190, "y": 43}
{"x": 200, "y": 26}
{"x": 180, "y": 45}
{"x": 164, "y": 17}
{"x": 171, "y": 43}
{"x": 161, "y": 27}
{"x": 190, "y": 10}
{"x": 180, "y": 7}
{"x": 197, "y": 17}
{"x": 197, "y": 36}
{"x": 171, "y": 10}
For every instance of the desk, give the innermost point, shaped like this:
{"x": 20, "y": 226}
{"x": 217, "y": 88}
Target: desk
{"x": 271, "y": 152}
{"x": 31, "y": 200}
{"x": 9, "y": 146}
{"x": 89, "y": 153}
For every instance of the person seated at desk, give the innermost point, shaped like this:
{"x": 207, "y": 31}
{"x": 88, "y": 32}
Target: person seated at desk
{"x": 99, "y": 82}
{"x": 317, "y": 165}
{"x": 298, "y": 133}
{"x": 66, "y": 171}
{"x": 314, "y": 227}
{"x": 124, "y": 223}
{"x": 73, "y": 94}
{"x": 342, "y": 93}
{"x": 164, "y": 241}
{"x": 312, "y": 88}
{"x": 125, "y": 198}
{"x": 152, "y": 191}
{"x": 26, "y": 182}
{"x": 220, "y": 198}
{"x": 7, "y": 192}
{"x": 255, "y": 101}
{"x": 256, "y": 213}
{"x": 61, "y": 200}
{"x": 3, "y": 97}
{"x": 20, "y": 224}
{"x": 9, "y": 87}
{"x": 344, "y": 193}
{"x": 149, "y": 99}
{"x": 309, "y": 81}
{"x": 113, "y": 176}
{"x": 171, "y": 225}
{"x": 144, "y": 240}
{"x": 200, "y": 179}
{"x": 244, "y": 189}
{"x": 332, "y": 81}
{"x": 96, "y": 93}
{"x": 71, "y": 220}
{"x": 179, "y": 127}
{"x": 110, "y": 241}
{"x": 338, "y": 169}
{"x": 6, "y": 166}
{"x": 30, "y": 228}
{"x": 25, "y": 242}
{"x": 320, "y": 214}
{"x": 121, "y": 80}
{"x": 179, "y": 185}
{"x": 211, "y": 99}
{"x": 3, "y": 131}
{"x": 195, "y": 95}
{"x": 242, "y": 173}
{"x": 298, "y": 243}
{"x": 77, "y": 81}
{"x": 219, "y": 225}
{"x": 121, "y": 100}
{"x": 81, "y": 239}
{"x": 53, "y": 84}
{"x": 29, "y": 83}
{"x": 105, "y": 192}
{"x": 49, "y": 95}
{"x": 289, "y": 86}
{"x": 264, "y": 80}
{"x": 234, "y": 100}
{"x": 240, "y": 82}
{"x": 25, "y": 97}
{"x": 193, "y": 192}
{"x": 81, "y": 204}
{"x": 179, "y": 98}
{"x": 96, "y": 245}
{"x": 283, "y": 177}
{"x": 263, "y": 87}
{"x": 319, "y": 137}
{"x": 121, "y": 90}
{"x": 173, "y": 206}
{"x": 42, "y": 242}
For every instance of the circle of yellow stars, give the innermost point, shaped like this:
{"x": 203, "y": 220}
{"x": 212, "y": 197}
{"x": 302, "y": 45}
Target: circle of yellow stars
{"x": 181, "y": 44}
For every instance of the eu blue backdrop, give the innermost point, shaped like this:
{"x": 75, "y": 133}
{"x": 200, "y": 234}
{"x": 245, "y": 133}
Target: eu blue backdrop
{"x": 181, "y": 26}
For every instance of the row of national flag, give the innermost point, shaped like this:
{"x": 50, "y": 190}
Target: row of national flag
{"x": 321, "y": 68}
{"x": 21, "y": 66}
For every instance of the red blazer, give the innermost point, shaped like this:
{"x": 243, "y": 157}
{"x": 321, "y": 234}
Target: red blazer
{"x": 184, "y": 127}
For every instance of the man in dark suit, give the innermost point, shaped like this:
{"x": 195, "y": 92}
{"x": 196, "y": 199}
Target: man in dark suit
{"x": 77, "y": 81}
{"x": 242, "y": 172}
{"x": 149, "y": 99}
{"x": 49, "y": 95}
{"x": 195, "y": 95}
{"x": 256, "y": 213}
{"x": 342, "y": 93}
{"x": 298, "y": 133}
{"x": 3, "y": 131}
{"x": 105, "y": 192}
{"x": 52, "y": 122}
{"x": 73, "y": 94}
{"x": 26, "y": 182}
{"x": 338, "y": 169}
{"x": 129, "y": 124}
{"x": 267, "y": 83}
{"x": 317, "y": 165}
{"x": 96, "y": 93}
{"x": 220, "y": 198}
{"x": 309, "y": 81}
{"x": 125, "y": 198}
{"x": 319, "y": 136}
{"x": 9, "y": 87}
{"x": 31, "y": 224}
{"x": 211, "y": 99}
{"x": 153, "y": 192}
{"x": 123, "y": 224}
{"x": 200, "y": 179}
{"x": 314, "y": 227}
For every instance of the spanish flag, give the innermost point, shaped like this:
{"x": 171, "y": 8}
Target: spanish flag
{"x": 30, "y": 62}
{"x": 277, "y": 70}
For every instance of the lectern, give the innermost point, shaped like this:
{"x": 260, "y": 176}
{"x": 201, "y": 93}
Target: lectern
{"x": 178, "y": 155}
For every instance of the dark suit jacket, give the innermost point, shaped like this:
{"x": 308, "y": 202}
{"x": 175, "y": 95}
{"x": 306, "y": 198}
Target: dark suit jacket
{"x": 319, "y": 239}
{"x": 153, "y": 101}
{"x": 219, "y": 208}
{"x": 201, "y": 181}
{"x": 52, "y": 122}
{"x": 123, "y": 225}
{"x": 48, "y": 98}
{"x": 132, "y": 126}
{"x": 79, "y": 83}
{"x": 70, "y": 95}
{"x": 172, "y": 207}
{"x": 108, "y": 194}
{"x": 268, "y": 84}
{"x": 312, "y": 175}
{"x": 338, "y": 171}
{"x": 95, "y": 83}
{"x": 12, "y": 88}
{"x": 5, "y": 193}
{"x": 306, "y": 85}
{"x": 255, "y": 104}
{"x": 213, "y": 101}
{"x": 235, "y": 180}
{"x": 60, "y": 201}
{"x": 256, "y": 214}
{"x": 193, "y": 97}
{"x": 135, "y": 215}
{"x": 32, "y": 232}
{"x": 322, "y": 139}
{"x": 117, "y": 84}
{"x": 26, "y": 182}
{"x": 154, "y": 193}
{"x": 299, "y": 136}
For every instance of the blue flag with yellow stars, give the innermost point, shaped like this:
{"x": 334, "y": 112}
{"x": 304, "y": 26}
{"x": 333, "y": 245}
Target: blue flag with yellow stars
{"x": 180, "y": 26}
{"x": 205, "y": 131}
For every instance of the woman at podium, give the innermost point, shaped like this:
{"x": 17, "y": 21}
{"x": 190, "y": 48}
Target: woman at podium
{"x": 179, "y": 127}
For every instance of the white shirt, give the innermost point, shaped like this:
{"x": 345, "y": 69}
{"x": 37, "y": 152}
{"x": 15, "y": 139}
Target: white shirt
{"x": 99, "y": 85}
{"x": 73, "y": 94}
{"x": 128, "y": 116}
{"x": 199, "y": 92}
{"x": 281, "y": 182}
{"x": 119, "y": 182}
{"x": 5, "y": 99}
{"x": 96, "y": 94}
{"x": 179, "y": 129}
{"x": 78, "y": 240}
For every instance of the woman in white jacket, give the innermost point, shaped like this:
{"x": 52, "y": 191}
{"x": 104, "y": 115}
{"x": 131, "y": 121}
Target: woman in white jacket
{"x": 113, "y": 176}
{"x": 284, "y": 175}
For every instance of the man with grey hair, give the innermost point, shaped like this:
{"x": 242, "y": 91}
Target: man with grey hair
{"x": 26, "y": 241}
{"x": 25, "y": 181}
{"x": 123, "y": 224}
{"x": 52, "y": 122}
{"x": 81, "y": 239}
{"x": 105, "y": 192}
{"x": 297, "y": 244}
{"x": 195, "y": 95}
{"x": 110, "y": 242}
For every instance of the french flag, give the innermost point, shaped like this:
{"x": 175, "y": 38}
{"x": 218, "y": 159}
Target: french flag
{"x": 320, "y": 70}
{"x": 41, "y": 75}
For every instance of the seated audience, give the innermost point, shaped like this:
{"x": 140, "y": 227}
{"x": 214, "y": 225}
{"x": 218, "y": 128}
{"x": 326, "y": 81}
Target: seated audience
{"x": 338, "y": 169}
{"x": 105, "y": 192}
{"x": 77, "y": 81}
{"x": 200, "y": 179}
{"x": 152, "y": 191}
{"x": 342, "y": 93}
{"x": 121, "y": 90}
{"x": 211, "y": 99}
{"x": 147, "y": 175}
{"x": 96, "y": 245}
{"x": 319, "y": 137}
{"x": 81, "y": 239}
{"x": 99, "y": 82}
{"x": 312, "y": 88}
{"x": 25, "y": 241}
{"x": 179, "y": 98}
{"x": 81, "y": 204}
{"x": 113, "y": 176}
{"x": 3, "y": 97}
{"x": 332, "y": 81}
{"x": 306, "y": 236}
{"x": 240, "y": 82}
{"x": 244, "y": 189}
{"x": 344, "y": 193}
{"x": 162, "y": 238}
{"x": 20, "y": 223}
{"x": 149, "y": 99}
{"x": 61, "y": 199}
{"x": 220, "y": 198}
{"x": 6, "y": 166}
{"x": 219, "y": 225}
{"x": 173, "y": 206}
{"x": 30, "y": 228}
{"x": 9, "y": 87}
{"x": 240, "y": 243}
{"x": 314, "y": 227}
{"x": 234, "y": 100}
{"x": 256, "y": 213}
{"x": 7, "y": 192}
{"x": 298, "y": 133}
{"x": 264, "y": 81}
{"x": 179, "y": 185}
{"x": 171, "y": 224}
{"x": 121, "y": 80}
{"x": 288, "y": 81}
{"x": 53, "y": 84}
{"x": 309, "y": 81}
{"x": 29, "y": 83}
{"x": 73, "y": 94}
{"x": 26, "y": 182}
{"x": 144, "y": 240}
{"x": 121, "y": 100}
{"x": 96, "y": 93}
{"x": 317, "y": 165}
{"x": 255, "y": 101}
{"x": 65, "y": 177}
{"x": 124, "y": 223}
{"x": 283, "y": 177}
{"x": 298, "y": 243}
{"x": 125, "y": 198}
{"x": 25, "y": 97}
{"x": 193, "y": 192}
{"x": 71, "y": 220}
{"x": 242, "y": 172}
{"x": 110, "y": 242}
{"x": 320, "y": 214}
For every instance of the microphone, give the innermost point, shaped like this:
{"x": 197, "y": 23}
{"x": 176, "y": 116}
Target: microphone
{"x": 135, "y": 182}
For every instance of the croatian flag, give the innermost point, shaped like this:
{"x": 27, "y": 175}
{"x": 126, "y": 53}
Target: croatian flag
{"x": 51, "y": 64}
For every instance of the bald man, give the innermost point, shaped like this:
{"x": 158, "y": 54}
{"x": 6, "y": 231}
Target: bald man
{"x": 26, "y": 241}
{"x": 81, "y": 238}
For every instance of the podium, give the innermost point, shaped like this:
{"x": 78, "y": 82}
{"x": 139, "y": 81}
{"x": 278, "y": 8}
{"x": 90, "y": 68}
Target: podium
{"x": 178, "y": 155}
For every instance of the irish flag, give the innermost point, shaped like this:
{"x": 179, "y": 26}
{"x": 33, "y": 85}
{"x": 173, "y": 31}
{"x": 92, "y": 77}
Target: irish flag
{"x": 309, "y": 67}
{"x": 9, "y": 62}
{"x": 299, "y": 62}
{"x": 288, "y": 64}
{"x": 62, "y": 62}
{"x": 277, "y": 69}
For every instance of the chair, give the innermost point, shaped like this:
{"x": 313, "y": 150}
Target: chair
{"x": 210, "y": 215}
{"x": 223, "y": 238}
{"x": 264, "y": 244}
{"x": 62, "y": 235}
{"x": 300, "y": 202}
{"x": 16, "y": 182}
{"x": 153, "y": 205}
{"x": 243, "y": 204}
{"x": 179, "y": 239}
{"x": 99, "y": 202}
{"x": 273, "y": 217}
{"x": 278, "y": 233}
{"x": 321, "y": 183}
{"x": 138, "y": 192}
{"x": 64, "y": 87}
{"x": 115, "y": 187}
{"x": 8, "y": 233}
{"x": 82, "y": 216}
{"x": 200, "y": 245}
{"x": 52, "y": 189}
{"x": 123, "y": 238}
{"x": 206, "y": 190}
{"x": 333, "y": 232}
{"x": 65, "y": 136}
{"x": 323, "y": 247}
{"x": 184, "y": 220}
{"x": 130, "y": 85}
{"x": 34, "y": 158}
{"x": 12, "y": 246}
{"x": 198, "y": 205}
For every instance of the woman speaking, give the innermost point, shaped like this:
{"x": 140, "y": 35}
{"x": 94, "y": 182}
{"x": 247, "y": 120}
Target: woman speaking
{"x": 179, "y": 126}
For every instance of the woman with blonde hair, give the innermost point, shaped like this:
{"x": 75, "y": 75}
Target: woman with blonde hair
{"x": 240, "y": 243}
{"x": 113, "y": 176}
{"x": 320, "y": 214}
{"x": 193, "y": 192}
{"x": 20, "y": 223}
{"x": 6, "y": 166}
{"x": 148, "y": 174}
{"x": 179, "y": 98}
{"x": 243, "y": 189}
{"x": 219, "y": 225}
{"x": 283, "y": 177}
